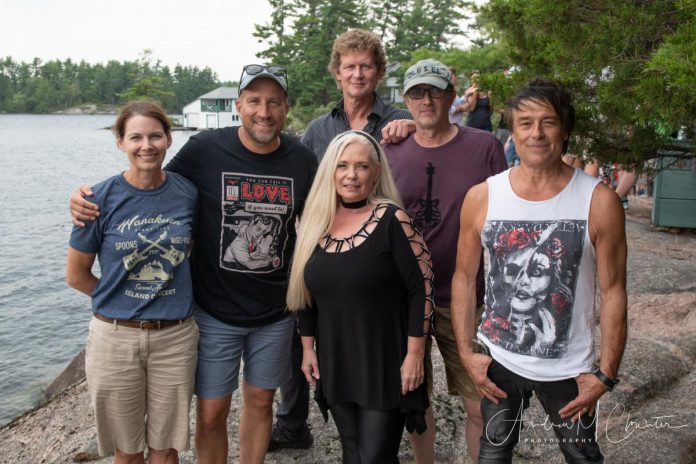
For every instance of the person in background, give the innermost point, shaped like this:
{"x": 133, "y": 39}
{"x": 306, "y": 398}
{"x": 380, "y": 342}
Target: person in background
{"x": 142, "y": 345}
{"x": 624, "y": 182}
{"x": 433, "y": 170}
{"x": 361, "y": 280}
{"x": 478, "y": 104}
{"x": 502, "y": 132}
{"x": 510, "y": 154}
{"x": 572, "y": 160}
{"x": 457, "y": 111}
{"x": 627, "y": 180}
{"x": 551, "y": 232}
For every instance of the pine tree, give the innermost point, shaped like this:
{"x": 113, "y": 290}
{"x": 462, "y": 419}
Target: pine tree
{"x": 630, "y": 66}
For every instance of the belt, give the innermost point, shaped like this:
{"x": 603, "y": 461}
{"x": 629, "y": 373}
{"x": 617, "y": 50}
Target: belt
{"x": 144, "y": 325}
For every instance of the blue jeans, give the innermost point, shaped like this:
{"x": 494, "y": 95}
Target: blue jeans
{"x": 293, "y": 410}
{"x": 503, "y": 421}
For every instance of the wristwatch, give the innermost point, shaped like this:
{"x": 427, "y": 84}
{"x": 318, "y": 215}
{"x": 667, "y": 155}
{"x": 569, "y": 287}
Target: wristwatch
{"x": 610, "y": 383}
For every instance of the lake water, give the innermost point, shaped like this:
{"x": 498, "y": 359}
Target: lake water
{"x": 43, "y": 322}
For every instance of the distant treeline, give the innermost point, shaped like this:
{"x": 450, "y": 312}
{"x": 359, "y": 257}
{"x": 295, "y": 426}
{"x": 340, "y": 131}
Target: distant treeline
{"x": 44, "y": 87}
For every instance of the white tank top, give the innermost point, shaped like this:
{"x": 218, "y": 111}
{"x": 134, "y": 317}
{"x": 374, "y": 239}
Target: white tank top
{"x": 540, "y": 288}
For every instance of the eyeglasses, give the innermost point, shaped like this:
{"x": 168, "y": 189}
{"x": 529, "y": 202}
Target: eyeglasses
{"x": 417, "y": 93}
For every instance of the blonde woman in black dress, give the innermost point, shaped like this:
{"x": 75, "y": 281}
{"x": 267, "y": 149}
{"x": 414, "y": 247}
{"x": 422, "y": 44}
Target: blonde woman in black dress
{"x": 362, "y": 280}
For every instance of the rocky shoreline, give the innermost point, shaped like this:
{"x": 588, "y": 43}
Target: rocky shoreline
{"x": 649, "y": 418}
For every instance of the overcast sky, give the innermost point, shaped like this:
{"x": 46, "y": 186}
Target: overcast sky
{"x": 213, "y": 33}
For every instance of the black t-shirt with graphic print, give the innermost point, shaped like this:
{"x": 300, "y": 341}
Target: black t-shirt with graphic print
{"x": 245, "y": 223}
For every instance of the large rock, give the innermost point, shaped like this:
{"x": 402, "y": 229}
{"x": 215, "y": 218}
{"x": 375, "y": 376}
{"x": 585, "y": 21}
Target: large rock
{"x": 74, "y": 373}
{"x": 649, "y": 418}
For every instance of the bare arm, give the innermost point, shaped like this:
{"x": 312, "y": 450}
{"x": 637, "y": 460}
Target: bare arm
{"x": 81, "y": 209}
{"x": 607, "y": 224}
{"x": 458, "y": 108}
{"x": 608, "y": 233}
{"x": 79, "y": 271}
{"x": 463, "y": 309}
{"x": 592, "y": 168}
{"x": 470, "y": 97}
{"x": 626, "y": 181}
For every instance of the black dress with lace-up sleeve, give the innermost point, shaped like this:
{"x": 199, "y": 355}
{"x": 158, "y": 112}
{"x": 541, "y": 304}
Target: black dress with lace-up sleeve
{"x": 370, "y": 293}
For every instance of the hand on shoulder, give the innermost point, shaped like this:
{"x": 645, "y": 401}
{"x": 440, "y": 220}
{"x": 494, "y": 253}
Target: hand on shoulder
{"x": 397, "y": 131}
{"x": 81, "y": 209}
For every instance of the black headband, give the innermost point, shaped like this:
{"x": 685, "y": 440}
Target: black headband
{"x": 371, "y": 139}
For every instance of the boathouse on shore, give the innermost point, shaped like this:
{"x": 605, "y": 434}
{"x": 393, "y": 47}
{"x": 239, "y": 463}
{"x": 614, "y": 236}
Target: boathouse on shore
{"x": 213, "y": 110}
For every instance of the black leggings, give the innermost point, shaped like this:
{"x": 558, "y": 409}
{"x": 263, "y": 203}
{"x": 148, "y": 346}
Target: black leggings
{"x": 368, "y": 436}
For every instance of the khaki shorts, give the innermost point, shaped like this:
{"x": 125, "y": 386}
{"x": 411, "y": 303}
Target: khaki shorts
{"x": 141, "y": 383}
{"x": 458, "y": 381}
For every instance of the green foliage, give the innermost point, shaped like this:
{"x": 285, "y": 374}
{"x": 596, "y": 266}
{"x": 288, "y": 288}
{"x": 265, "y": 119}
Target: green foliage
{"x": 668, "y": 80}
{"x": 300, "y": 35}
{"x": 426, "y": 24}
{"x": 631, "y": 66}
{"x": 39, "y": 87}
{"x": 300, "y": 116}
{"x": 148, "y": 88}
{"x": 488, "y": 58}
{"x": 150, "y": 82}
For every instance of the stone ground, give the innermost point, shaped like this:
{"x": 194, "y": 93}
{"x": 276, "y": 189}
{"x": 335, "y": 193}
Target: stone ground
{"x": 649, "y": 418}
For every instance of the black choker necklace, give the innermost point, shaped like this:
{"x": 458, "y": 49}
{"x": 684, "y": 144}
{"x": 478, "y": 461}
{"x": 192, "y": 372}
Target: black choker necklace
{"x": 354, "y": 204}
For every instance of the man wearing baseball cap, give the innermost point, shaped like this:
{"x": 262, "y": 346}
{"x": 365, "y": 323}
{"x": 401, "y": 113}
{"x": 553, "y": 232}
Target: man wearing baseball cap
{"x": 252, "y": 182}
{"x": 433, "y": 171}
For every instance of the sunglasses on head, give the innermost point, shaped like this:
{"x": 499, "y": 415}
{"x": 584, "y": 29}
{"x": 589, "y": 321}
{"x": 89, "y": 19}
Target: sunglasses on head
{"x": 254, "y": 69}
{"x": 417, "y": 93}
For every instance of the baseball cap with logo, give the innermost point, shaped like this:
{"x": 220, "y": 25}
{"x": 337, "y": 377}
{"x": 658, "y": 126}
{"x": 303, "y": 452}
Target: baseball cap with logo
{"x": 428, "y": 71}
{"x": 251, "y": 72}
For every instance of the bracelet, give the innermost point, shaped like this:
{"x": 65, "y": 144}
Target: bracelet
{"x": 605, "y": 379}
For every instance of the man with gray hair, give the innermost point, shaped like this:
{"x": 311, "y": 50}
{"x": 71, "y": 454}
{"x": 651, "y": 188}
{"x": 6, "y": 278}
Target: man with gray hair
{"x": 552, "y": 233}
{"x": 434, "y": 170}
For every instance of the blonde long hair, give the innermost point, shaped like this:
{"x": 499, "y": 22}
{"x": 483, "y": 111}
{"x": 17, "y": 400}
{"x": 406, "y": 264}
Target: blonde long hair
{"x": 322, "y": 201}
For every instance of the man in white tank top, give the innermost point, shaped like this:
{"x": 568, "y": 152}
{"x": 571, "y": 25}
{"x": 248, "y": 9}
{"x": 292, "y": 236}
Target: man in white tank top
{"x": 550, "y": 232}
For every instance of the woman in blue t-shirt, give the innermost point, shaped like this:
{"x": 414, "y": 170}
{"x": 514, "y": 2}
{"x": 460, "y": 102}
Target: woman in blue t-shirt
{"x": 142, "y": 344}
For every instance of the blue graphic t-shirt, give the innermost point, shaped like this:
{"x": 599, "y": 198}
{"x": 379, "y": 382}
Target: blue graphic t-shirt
{"x": 142, "y": 240}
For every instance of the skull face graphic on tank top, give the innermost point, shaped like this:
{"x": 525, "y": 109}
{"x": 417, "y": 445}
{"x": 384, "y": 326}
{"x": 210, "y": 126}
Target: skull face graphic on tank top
{"x": 530, "y": 289}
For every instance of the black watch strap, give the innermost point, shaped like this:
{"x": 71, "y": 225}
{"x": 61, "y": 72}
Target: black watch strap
{"x": 610, "y": 383}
